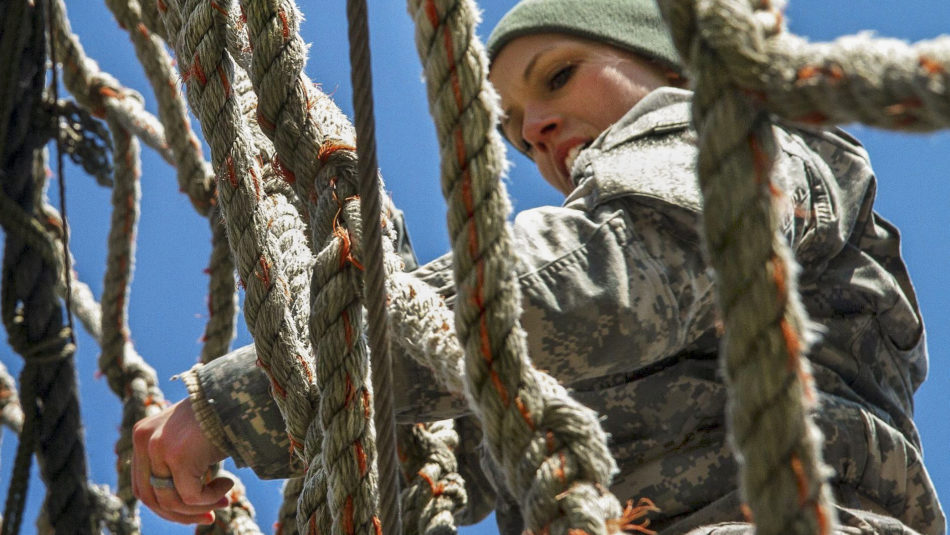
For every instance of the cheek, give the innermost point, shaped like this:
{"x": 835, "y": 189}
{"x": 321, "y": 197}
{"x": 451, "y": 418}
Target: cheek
{"x": 617, "y": 94}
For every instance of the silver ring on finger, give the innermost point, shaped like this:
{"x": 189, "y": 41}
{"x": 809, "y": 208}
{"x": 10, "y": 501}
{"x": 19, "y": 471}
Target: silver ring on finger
{"x": 161, "y": 482}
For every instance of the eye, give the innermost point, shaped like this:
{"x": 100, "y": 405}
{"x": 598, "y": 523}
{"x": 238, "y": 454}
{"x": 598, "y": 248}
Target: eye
{"x": 526, "y": 147}
{"x": 560, "y": 78}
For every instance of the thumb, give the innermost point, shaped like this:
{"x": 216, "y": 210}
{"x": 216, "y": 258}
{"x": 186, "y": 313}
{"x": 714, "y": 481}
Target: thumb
{"x": 194, "y": 491}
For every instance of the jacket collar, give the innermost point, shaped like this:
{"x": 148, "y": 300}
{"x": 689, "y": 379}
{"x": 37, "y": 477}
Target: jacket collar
{"x": 665, "y": 108}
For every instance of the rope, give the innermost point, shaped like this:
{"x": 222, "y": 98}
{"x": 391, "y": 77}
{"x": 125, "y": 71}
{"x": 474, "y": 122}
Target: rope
{"x": 287, "y": 514}
{"x": 745, "y": 65}
{"x": 22, "y": 463}
{"x": 11, "y": 413}
{"x": 374, "y": 282}
{"x": 30, "y": 308}
{"x": 765, "y": 338}
{"x": 42, "y": 234}
{"x": 237, "y": 518}
{"x": 102, "y": 94}
{"x": 313, "y": 141}
{"x": 435, "y": 492}
{"x": 222, "y": 293}
{"x": 110, "y": 512}
{"x": 880, "y": 82}
{"x": 129, "y": 377}
{"x": 61, "y": 175}
{"x": 194, "y": 173}
{"x": 84, "y": 140}
{"x": 311, "y": 135}
{"x": 273, "y": 263}
{"x": 551, "y": 448}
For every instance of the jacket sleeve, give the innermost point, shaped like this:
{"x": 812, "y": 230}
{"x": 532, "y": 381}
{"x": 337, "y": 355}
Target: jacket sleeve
{"x": 623, "y": 278}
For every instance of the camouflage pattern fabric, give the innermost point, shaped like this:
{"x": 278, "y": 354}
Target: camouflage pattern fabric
{"x": 618, "y": 305}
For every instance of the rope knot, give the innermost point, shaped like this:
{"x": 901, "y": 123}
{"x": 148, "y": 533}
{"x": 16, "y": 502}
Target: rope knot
{"x": 53, "y": 348}
{"x": 633, "y": 517}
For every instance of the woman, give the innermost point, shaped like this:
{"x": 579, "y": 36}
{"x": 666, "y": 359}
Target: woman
{"x": 618, "y": 299}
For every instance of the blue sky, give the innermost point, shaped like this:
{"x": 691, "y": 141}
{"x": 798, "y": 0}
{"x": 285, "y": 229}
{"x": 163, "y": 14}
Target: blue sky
{"x": 168, "y": 296}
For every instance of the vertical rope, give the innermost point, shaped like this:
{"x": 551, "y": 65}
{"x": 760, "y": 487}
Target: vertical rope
{"x": 778, "y": 447}
{"x": 286, "y": 523}
{"x": 374, "y": 284}
{"x": 116, "y": 360}
{"x": 31, "y": 311}
{"x": 60, "y": 173}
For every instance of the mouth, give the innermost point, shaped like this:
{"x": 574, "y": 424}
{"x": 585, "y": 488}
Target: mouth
{"x": 571, "y": 156}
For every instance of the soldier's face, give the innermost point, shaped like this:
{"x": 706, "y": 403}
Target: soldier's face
{"x": 559, "y": 92}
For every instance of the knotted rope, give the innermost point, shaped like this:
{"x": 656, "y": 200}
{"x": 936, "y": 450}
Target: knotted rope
{"x": 102, "y": 94}
{"x": 435, "y": 492}
{"x": 551, "y": 448}
{"x": 31, "y": 310}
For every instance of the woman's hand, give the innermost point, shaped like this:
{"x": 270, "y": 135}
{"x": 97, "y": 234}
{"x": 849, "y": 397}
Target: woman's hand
{"x": 170, "y": 446}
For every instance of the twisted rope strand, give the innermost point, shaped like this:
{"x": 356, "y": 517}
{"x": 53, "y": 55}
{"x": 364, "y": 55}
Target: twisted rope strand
{"x": 222, "y": 293}
{"x": 128, "y": 375}
{"x": 302, "y": 122}
{"x": 551, "y": 448}
{"x": 880, "y": 82}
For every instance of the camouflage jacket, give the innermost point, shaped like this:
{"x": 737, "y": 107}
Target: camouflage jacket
{"x": 619, "y": 306}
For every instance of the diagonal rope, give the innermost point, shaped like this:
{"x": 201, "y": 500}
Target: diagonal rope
{"x": 551, "y": 448}
{"x": 194, "y": 174}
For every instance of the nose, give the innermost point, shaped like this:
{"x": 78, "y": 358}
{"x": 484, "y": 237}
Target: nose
{"x": 539, "y": 128}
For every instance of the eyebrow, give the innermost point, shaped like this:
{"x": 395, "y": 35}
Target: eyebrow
{"x": 534, "y": 61}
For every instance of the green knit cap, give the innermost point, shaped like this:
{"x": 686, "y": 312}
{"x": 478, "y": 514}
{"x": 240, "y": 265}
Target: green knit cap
{"x": 633, "y": 25}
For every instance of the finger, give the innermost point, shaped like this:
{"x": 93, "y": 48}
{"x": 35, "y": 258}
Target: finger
{"x": 140, "y": 466}
{"x": 204, "y": 518}
{"x": 169, "y": 501}
{"x": 193, "y": 491}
